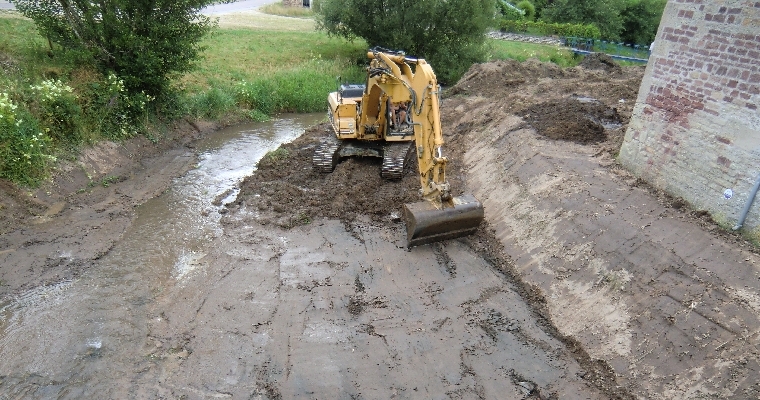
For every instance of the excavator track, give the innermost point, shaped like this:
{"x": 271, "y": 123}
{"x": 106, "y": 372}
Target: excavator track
{"x": 326, "y": 155}
{"x": 395, "y": 159}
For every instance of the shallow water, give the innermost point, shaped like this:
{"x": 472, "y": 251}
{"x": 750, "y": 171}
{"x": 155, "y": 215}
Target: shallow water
{"x": 76, "y": 338}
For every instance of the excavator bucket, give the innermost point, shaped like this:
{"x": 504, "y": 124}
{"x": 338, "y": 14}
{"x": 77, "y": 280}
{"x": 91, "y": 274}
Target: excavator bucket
{"x": 426, "y": 223}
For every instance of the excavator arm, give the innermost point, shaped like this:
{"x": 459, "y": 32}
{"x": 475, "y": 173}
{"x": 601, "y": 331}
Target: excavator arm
{"x": 441, "y": 216}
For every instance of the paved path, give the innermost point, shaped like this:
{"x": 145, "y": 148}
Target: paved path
{"x": 244, "y": 5}
{"x": 213, "y": 10}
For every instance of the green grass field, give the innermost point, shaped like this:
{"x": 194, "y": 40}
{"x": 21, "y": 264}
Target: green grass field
{"x": 504, "y": 50}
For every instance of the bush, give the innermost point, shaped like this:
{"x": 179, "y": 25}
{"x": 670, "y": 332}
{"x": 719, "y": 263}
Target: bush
{"x": 529, "y": 10}
{"x": 24, "y": 148}
{"x": 641, "y": 18}
{"x": 450, "y": 34}
{"x": 508, "y": 11}
{"x": 56, "y": 106}
{"x": 111, "y": 111}
{"x": 145, "y": 42}
{"x": 605, "y": 15}
{"x": 549, "y": 29}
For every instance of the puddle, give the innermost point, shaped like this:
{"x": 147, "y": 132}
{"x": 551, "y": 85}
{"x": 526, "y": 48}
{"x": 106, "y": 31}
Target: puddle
{"x": 91, "y": 331}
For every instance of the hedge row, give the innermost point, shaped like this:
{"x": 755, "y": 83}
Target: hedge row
{"x": 550, "y": 29}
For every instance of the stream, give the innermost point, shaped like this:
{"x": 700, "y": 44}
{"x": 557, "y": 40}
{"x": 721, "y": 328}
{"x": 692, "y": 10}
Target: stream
{"x": 77, "y": 337}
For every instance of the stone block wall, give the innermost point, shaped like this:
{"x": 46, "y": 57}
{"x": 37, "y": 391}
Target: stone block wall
{"x": 695, "y": 130}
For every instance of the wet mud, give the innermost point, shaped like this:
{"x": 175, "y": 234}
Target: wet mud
{"x": 581, "y": 283}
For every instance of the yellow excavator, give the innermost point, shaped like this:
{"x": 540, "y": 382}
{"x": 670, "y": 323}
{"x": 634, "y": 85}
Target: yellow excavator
{"x": 393, "y": 116}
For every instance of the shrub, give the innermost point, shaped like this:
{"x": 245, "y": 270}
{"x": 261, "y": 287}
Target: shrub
{"x": 23, "y": 146}
{"x": 145, "y": 42}
{"x": 606, "y": 15}
{"x": 111, "y": 110}
{"x": 549, "y": 29}
{"x": 58, "y": 111}
{"x": 508, "y": 11}
{"x": 529, "y": 10}
{"x": 450, "y": 34}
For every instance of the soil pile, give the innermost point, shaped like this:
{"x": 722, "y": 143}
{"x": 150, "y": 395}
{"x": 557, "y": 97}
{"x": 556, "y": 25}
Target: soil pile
{"x": 571, "y": 119}
{"x": 585, "y": 104}
{"x": 600, "y": 61}
{"x": 287, "y": 191}
{"x": 494, "y": 79}
{"x": 562, "y": 104}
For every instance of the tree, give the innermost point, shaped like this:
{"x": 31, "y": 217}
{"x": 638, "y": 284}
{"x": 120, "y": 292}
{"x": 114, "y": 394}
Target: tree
{"x": 144, "y": 42}
{"x": 641, "y": 18}
{"x": 508, "y": 11}
{"x": 528, "y": 8}
{"x": 540, "y": 5}
{"x": 605, "y": 14}
{"x": 449, "y": 34}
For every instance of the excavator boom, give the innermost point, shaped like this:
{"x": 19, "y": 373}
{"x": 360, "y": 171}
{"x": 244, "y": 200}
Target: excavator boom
{"x": 440, "y": 216}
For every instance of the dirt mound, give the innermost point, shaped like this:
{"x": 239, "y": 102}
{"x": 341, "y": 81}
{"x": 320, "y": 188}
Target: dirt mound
{"x": 563, "y": 104}
{"x": 579, "y": 120}
{"x": 494, "y": 78}
{"x": 600, "y": 61}
{"x": 15, "y": 205}
{"x": 287, "y": 191}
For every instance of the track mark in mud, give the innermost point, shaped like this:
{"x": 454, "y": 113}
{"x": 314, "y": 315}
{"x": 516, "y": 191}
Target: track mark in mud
{"x": 467, "y": 370}
{"x": 358, "y": 285}
{"x": 438, "y": 324}
{"x": 265, "y": 386}
{"x": 314, "y": 284}
{"x": 443, "y": 259}
{"x": 596, "y": 372}
{"x": 484, "y": 296}
{"x": 529, "y": 388}
{"x": 370, "y": 330}
{"x": 355, "y": 306}
{"x": 496, "y": 322}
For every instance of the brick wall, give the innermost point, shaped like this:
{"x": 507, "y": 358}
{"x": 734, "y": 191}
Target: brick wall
{"x": 695, "y": 130}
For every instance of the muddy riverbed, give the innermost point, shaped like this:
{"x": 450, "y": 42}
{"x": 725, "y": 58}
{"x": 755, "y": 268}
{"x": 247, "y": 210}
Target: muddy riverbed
{"x": 581, "y": 283}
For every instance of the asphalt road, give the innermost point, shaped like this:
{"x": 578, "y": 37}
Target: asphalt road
{"x": 213, "y": 10}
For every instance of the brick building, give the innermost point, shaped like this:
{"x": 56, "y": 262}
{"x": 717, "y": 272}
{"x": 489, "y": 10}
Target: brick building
{"x": 695, "y": 131}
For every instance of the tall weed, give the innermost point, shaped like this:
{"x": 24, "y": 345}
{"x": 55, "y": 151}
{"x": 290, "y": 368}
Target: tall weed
{"x": 55, "y": 104}
{"x": 24, "y": 148}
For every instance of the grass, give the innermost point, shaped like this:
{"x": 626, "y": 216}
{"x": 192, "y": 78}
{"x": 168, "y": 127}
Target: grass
{"x": 262, "y": 72}
{"x": 505, "y": 49}
{"x": 237, "y": 54}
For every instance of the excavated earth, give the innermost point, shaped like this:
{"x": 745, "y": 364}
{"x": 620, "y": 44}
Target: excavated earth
{"x": 582, "y": 282}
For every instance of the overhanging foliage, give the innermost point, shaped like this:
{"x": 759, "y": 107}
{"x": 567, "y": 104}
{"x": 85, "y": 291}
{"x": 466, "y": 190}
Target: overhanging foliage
{"x": 145, "y": 42}
{"x": 449, "y": 34}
